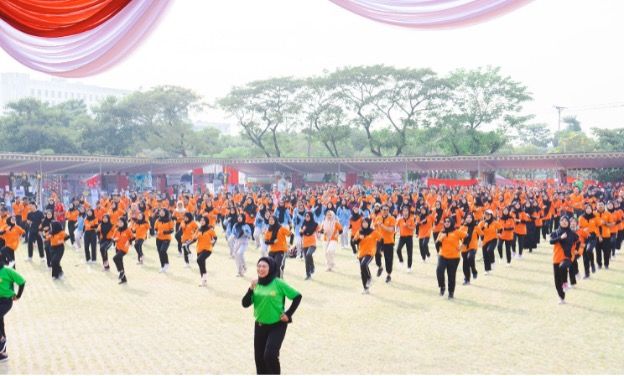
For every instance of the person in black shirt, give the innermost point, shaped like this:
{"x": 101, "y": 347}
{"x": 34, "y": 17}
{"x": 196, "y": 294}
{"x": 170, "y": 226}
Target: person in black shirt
{"x": 34, "y": 219}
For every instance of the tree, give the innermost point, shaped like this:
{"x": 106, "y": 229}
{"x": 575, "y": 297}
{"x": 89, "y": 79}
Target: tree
{"x": 263, "y": 107}
{"x": 534, "y": 134}
{"x": 325, "y": 119}
{"x": 572, "y": 124}
{"x": 481, "y": 98}
{"x": 609, "y": 139}
{"x": 358, "y": 88}
{"x": 31, "y": 126}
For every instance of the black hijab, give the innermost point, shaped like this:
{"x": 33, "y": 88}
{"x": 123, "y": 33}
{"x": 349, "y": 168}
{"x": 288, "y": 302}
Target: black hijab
{"x": 366, "y": 231}
{"x": 272, "y": 271}
{"x": 309, "y": 227}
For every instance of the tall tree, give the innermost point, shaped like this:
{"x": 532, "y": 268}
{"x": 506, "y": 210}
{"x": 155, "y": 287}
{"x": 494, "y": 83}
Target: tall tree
{"x": 609, "y": 139}
{"x": 481, "y": 98}
{"x": 572, "y": 124}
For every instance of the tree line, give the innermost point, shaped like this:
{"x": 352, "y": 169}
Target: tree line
{"x": 352, "y": 111}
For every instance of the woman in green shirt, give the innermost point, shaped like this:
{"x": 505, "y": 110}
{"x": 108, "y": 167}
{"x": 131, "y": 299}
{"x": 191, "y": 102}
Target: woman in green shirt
{"x": 8, "y": 277}
{"x": 268, "y": 294}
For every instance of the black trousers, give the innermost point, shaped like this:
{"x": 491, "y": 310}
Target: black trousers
{"x": 520, "y": 239}
{"x": 57, "y": 254}
{"x": 365, "y": 270}
{"x": 603, "y": 251}
{"x": 35, "y": 237}
{"x": 71, "y": 227}
{"x": 162, "y": 246}
{"x": 499, "y": 246}
{"x": 268, "y": 341}
{"x": 489, "y": 256}
{"x": 152, "y": 222}
{"x": 437, "y": 245}
{"x": 354, "y": 246}
{"x": 423, "y": 247}
{"x": 388, "y": 256}
{"x": 47, "y": 248}
{"x": 559, "y": 274}
{"x": 5, "y": 307}
{"x": 408, "y": 241}
{"x": 90, "y": 245}
{"x": 201, "y": 261}
{"x": 450, "y": 267}
{"x": 280, "y": 261}
{"x": 138, "y": 247}
{"x": 309, "y": 260}
{"x": 178, "y": 237}
{"x": 104, "y": 246}
{"x": 468, "y": 264}
{"x": 118, "y": 260}
{"x": 186, "y": 250}
{"x": 509, "y": 246}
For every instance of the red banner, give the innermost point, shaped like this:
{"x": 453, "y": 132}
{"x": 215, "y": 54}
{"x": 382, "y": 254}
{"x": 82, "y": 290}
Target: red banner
{"x": 452, "y": 182}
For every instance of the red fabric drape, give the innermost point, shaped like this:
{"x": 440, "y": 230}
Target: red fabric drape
{"x": 58, "y": 18}
{"x": 452, "y": 182}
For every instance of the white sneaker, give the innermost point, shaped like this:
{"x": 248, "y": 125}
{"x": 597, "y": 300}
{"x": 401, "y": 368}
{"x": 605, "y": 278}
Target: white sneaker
{"x": 409, "y": 270}
{"x": 187, "y": 265}
{"x": 166, "y": 268}
{"x": 29, "y": 259}
{"x": 561, "y": 301}
{"x": 401, "y": 266}
{"x": 508, "y": 264}
{"x": 11, "y": 264}
{"x": 487, "y": 272}
{"x": 493, "y": 266}
{"x": 162, "y": 270}
{"x": 365, "y": 292}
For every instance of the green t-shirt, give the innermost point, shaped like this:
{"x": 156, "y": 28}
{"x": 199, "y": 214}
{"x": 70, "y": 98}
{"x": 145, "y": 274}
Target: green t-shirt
{"x": 268, "y": 300}
{"x": 8, "y": 277}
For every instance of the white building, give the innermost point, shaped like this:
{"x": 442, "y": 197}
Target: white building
{"x": 16, "y": 86}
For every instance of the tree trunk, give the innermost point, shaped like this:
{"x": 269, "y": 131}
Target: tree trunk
{"x": 278, "y": 152}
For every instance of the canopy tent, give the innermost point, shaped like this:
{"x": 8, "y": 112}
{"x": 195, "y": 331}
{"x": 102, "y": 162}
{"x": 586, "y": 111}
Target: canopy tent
{"x": 66, "y": 164}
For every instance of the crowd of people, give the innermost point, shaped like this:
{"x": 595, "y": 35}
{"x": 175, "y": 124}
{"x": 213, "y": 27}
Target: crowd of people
{"x": 375, "y": 224}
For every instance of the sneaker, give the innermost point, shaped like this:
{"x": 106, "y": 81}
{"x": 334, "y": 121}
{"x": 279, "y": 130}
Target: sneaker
{"x": 466, "y": 283}
{"x": 401, "y": 265}
{"x": 379, "y": 272}
{"x": 508, "y": 264}
{"x": 365, "y": 292}
{"x": 442, "y": 291}
{"x": 388, "y": 279}
{"x": 593, "y": 269}
{"x": 3, "y": 346}
{"x": 561, "y": 301}
{"x": 123, "y": 280}
{"x": 474, "y": 276}
{"x": 409, "y": 270}
{"x": 487, "y": 272}
{"x": 11, "y": 264}
{"x": 493, "y": 265}
{"x": 4, "y": 357}
{"x": 368, "y": 284}
{"x": 308, "y": 277}
{"x": 28, "y": 259}
{"x": 166, "y": 268}
{"x": 450, "y": 296}
{"x": 187, "y": 265}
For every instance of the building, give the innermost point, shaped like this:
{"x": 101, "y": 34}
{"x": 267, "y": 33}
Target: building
{"x": 16, "y": 86}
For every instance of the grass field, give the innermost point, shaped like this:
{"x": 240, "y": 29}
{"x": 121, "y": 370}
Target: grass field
{"x": 508, "y": 322}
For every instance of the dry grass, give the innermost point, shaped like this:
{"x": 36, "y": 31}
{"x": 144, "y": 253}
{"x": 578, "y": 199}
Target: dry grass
{"x": 508, "y": 322}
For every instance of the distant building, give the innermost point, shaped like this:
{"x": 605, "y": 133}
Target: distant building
{"x": 16, "y": 86}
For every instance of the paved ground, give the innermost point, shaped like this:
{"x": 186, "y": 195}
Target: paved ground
{"x": 508, "y": 322}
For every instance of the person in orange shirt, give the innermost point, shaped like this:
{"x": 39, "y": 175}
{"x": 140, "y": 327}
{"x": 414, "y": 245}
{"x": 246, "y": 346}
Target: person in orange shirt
{"x": 355, "y": 223}
{"x": 367, "y": 239}
{"x": 385, "y": 224}
{"x": 11, "y": 235}
{"x": 90, "y": 236}
{"x": 163, "y": 228}
{"x": 488, "y": 231}
{"x": 603, "y": 246}
{"x": 308, "y": 242}
{"x": 438, "y": 223}
{"x": 507, "y": 225}
{"x": 122, "y": 236}
{"x": 407, "y": 227}
{"x": 276, "y": 237}
{"x": 469, "y": 247}
{"x": 140, "y": 228}
{"x": 188, "y": 228}
{"x": 72, "y": 219}
{"x": 206, "y": 239}
{"x": 57, "y": 238}
{"x": 521, "y": 218}
{"x": 425, "y": 224}
{"x": 448, "y": 259}
{"x": 563, "y": 240}
{"x": 615, "y": 225}
{"x": 105, "y": 235}
{"x": 331, "y": 230}
{"x": 178, "y": 218}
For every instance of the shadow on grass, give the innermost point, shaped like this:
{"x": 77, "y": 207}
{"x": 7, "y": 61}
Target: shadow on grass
{"x": 489, "y": 307}
{"x": 134, "y": 291}
{"x": 507, "y": 291}
{"x": 399, "y": 303}
{"x": 602, "y": 294}
{"x": 596, "y": 311}
{"x": 519, "y": 280}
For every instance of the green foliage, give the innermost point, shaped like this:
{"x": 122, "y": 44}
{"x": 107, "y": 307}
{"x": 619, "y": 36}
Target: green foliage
{"x": 610, "y": 139}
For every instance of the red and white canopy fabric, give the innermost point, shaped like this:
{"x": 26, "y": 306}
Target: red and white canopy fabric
{"x": 75, "y": 38}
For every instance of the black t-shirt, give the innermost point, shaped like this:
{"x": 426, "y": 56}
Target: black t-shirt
{"x": 35, "y": 218}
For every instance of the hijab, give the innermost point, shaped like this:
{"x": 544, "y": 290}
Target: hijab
{"x": 272, "y": 271}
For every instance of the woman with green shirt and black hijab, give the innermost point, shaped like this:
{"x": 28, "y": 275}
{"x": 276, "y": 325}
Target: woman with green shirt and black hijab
{"x": 268, "y": 294}
{"x": 8, "y": 277}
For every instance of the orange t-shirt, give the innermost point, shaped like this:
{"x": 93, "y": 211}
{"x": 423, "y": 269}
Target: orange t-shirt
{"x": 12, "y": 237}
{"x": 386, "y": 236}
{"x": 122, "y": 240}
{"x": 406, "y": 226}
{"x": 161, "y": 229}
{"x": 188, "y": 230}
{"x": 368, "y": 244}
{"x": 281, "y": 243}
{"x": 204, "y": 241}
{"x": 450, "y": 244}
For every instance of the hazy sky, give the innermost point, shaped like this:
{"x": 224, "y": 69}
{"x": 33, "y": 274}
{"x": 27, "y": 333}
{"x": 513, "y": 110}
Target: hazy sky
{"x": 568, "y": 52}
